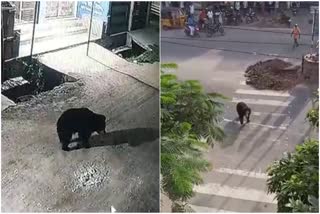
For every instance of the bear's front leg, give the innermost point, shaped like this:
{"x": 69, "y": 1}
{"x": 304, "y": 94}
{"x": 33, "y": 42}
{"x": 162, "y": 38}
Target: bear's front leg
{"x": 65, "y": 147}
{"x": 241, "y": 119}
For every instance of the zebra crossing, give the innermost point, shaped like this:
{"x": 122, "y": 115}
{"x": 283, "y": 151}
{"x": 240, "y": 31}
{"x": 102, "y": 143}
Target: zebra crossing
{"x": 232, "y": 188}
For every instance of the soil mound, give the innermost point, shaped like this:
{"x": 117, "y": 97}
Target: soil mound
{"x": 273, "y": 74}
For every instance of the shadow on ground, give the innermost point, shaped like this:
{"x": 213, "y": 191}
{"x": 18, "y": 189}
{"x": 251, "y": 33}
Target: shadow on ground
{"x": 233, "y": 129}
{"x": 133, "y": 137}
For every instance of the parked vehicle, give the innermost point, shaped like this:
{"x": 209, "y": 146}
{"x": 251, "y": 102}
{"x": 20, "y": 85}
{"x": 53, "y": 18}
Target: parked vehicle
{"x": 294, "y": 8}
{"x": 214, "y": 28}
{"x": 284, "y": 19}
{"x": 294, "y": 11}
{"x": 238, "y": 17}
{"x": 172, "y": 17}
{"x": 230, "y": 19}
{"x": 251, "y": 17}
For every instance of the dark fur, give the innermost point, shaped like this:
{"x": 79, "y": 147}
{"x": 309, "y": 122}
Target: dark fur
{"x": 243, "y": 111}
{"x": 81, "y": 121}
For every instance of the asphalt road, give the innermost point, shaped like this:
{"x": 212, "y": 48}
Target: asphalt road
{"x": 237, "y": 182}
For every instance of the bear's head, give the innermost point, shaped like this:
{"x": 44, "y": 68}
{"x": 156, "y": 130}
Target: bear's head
{"x": 101, "y": 124}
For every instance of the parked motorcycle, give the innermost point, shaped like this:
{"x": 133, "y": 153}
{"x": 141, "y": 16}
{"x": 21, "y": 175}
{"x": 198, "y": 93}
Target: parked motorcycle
{"x": 294, "y": 8}
{"x": 251, "y": 17}
{"x": 284, "y": 19}
{"x": 213, "y": 28}
{"x": 195, "y": 33}
{"x": 238, "y": 17}
{"x": 230, "y": 19}
{"x": 294, "y": 11}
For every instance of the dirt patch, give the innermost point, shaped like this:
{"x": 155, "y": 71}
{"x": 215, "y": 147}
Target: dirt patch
{"x": 274, "y": 74}
{"x": 91, "y": 176}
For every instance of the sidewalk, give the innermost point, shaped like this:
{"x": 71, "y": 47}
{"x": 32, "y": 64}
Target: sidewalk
{"x": 46, "y": 179}
{"x": 100, "y": 59}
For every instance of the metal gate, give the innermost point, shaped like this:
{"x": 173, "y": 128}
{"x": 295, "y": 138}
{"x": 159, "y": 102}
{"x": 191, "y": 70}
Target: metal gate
{"x": 119, "y": 17}
{"x": 139, "y": 15}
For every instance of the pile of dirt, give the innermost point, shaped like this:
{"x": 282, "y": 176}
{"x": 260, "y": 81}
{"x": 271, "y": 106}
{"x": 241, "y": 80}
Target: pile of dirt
{"x": 273, "y": 74}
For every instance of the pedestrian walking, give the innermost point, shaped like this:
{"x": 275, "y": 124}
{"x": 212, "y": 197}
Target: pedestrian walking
{"x": 202, "y": 18}
{"x": 191, "y": 9}
{"x": 296, "y": 35}
{"x": 237, "y": 5}
{"x": 210, "y": 16}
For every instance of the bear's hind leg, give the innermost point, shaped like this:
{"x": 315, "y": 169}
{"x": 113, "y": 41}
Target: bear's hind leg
{"x": 85, "y": 135}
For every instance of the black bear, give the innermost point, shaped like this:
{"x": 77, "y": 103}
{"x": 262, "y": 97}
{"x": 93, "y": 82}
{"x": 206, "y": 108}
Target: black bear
{"x": 243, "y": 110}
{"x": 81, "y": 121}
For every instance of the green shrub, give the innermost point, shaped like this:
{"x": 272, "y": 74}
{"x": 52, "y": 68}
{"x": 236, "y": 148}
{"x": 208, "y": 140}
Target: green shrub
{"x": 34, "y": 74}
{"x": 189, "y": 124}
{"x": 295, "y": 179}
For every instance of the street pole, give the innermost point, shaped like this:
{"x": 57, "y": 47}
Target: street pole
{"x": 34, "y": 27}
{"x": 2, "y": 47}
{"x": 313, "y": 26}
{"x": 90, "y": 28}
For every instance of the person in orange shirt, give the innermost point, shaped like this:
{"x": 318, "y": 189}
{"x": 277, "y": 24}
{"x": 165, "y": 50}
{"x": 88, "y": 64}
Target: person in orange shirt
{"x": 296, "y": 35}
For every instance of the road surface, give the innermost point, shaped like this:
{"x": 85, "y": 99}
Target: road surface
{"x": 237, "y": 182}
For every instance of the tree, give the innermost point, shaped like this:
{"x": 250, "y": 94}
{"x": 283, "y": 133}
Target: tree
{"x": 295, "y": 178}
{"x": 313, "y": 114}
{"x": 187, "y": 102}
{"x": 189, "y": 124}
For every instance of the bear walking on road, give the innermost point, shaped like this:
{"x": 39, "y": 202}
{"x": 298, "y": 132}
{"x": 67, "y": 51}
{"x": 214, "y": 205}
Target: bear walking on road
{"x": 243, "y": 111}
{"x": 81, "y": 121}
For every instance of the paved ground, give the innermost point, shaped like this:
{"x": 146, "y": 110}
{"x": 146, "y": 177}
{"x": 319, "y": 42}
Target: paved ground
{"x": 37, "y": 176}
{"x": 237, "y": 182}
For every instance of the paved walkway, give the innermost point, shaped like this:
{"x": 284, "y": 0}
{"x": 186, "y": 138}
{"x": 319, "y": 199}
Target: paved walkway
{"x": 100, "y": 59}
{"x": 37, "y": 176}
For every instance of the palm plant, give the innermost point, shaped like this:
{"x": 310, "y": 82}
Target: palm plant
{"x": 189, "y": 124}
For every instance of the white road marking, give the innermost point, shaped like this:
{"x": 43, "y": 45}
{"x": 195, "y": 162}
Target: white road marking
{"x": 113, "y": 210}
{"x": 235, "y": 192}
{"x": 263, "y": 92}
{"x": 244, "y": 173}
{"x": 258, "y": 124}
{"x": 265, "y": 113}
{"x": 201, "y": 209}
{"x": 243, "y": 82}
{"x": 262, "y": 102}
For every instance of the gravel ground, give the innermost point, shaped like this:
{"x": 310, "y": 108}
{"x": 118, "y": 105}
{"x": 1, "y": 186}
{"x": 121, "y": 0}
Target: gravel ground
{"x": 37, "y": 176}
